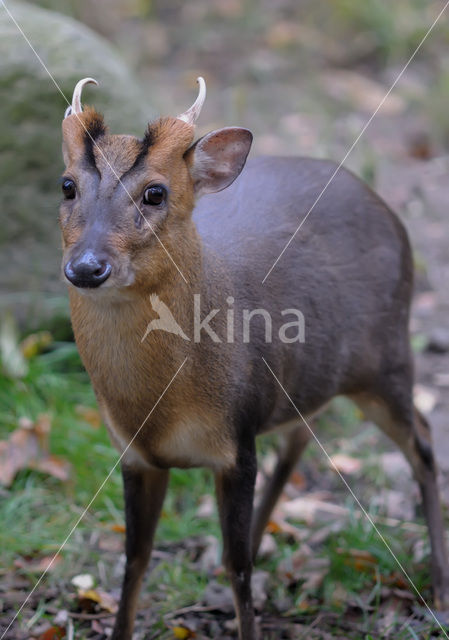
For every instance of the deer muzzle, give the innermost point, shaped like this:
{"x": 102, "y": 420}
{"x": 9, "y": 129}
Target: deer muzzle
{"x": 87, "y": 270}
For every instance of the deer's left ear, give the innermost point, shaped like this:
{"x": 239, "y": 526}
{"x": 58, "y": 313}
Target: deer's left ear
{"x": 216, "y": 160}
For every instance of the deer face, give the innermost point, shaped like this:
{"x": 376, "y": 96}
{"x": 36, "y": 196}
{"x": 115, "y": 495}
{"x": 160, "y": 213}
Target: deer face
{"x": 127, "y": 202}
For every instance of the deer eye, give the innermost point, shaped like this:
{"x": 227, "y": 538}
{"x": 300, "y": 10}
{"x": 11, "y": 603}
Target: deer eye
{"x": 69, "y": 189}
{"x": 154, "y": 195}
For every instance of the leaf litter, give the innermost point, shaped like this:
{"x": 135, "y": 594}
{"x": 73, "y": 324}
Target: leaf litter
{"x": 28, "y": 447}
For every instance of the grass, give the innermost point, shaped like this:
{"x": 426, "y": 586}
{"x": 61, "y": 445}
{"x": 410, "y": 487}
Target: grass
{"x": 56, "y": 384}
{"x": 38, "y": 511}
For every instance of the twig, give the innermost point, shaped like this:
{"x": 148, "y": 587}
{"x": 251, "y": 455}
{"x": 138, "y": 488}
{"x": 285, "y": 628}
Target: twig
{"x": 70, "y": 632}
{"x": 82, "y": 616}
{"x": 194, "y": 608}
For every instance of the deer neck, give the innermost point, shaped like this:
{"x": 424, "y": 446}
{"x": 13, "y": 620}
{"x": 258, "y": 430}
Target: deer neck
{"x": 113, "y": 331}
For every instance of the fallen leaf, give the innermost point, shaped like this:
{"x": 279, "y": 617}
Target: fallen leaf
{"x": 206, "y": 507}
{"x": 425, "y": 398}
{"x": 210, "y": 556}
{"x": 53, "y": 633}
{"x": 118, "y": 528}
{"x": 99, "y": 627}
{"x": 345, "y": 464}
{"x": 274, "y": 527}
{"x": 90, "y": 415}
{"x": 218, "y": 596}
{"x": 37, "y": 565}
{"x": 322, "y": 533}
{"x": 279, "y": 525}
{"x": 396, "y": 504}
{"x": 111, "y": 542}
{"x": 259, "y": 585}
{"x": 183, "y": 632}
{"x": 289, "y": 568}
{"x": 359, "y": 559}
{"x": 364, "y": 562}
{"x": 304, "y": 566}
{"x": 312, "y": 508}
{"x": 90, "y": 597}
{"x": 35, "y": 343}
{"x": 83, "y": 581}
{"x": 298, "y": 480}
{"x": 268, "y": 546}
{"x": 53, "y": 466}
{"x": 339, "y": 595}
{"x": 396, "y": 579}
{"x": 61, "y": 618}
{"x": 28, "y": 448}
{"x": 89, "y": 594}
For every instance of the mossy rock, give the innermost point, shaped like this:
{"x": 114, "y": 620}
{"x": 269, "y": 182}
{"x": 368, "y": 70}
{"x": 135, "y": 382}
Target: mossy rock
{"x": 31, "y": 111}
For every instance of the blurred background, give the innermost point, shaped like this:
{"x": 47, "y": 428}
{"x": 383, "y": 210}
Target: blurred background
{"x": 305, "y": 76}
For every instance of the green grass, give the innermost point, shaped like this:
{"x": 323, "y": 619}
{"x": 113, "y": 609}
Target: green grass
{"x": 38, "y": 511}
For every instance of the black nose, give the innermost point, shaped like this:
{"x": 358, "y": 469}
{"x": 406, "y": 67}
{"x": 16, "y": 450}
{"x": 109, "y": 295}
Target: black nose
{"x": 87, "y": 271}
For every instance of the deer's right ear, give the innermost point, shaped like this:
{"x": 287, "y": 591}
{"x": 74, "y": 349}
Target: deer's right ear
{"x": 216, "y": 160}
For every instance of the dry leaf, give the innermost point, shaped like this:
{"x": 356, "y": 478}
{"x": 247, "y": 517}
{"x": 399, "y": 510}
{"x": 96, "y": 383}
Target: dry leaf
{"x": 313, "y": 574}
{"x": 345, "y": 464}
{"x": 359, "y": 559}
{"x": 218, "y": 596}
{"x": 53, "y": 466}
{"x": 99, "y": 627}
{"x": 298, "y": 480}
{"x": 274, "y": 527}
{"x": 110, "y": 542}
{"x": 28, "y": 448}
{"x": 288, "y": 569}
{"x": 268, "y": 546}
{"x": 206, "y": 507}
{"x": 259, "y": 585}
{"x": 90, "y": 415}
{"x": 311, "y": 508}
{"x": 91, "y": 597}
{"x": 35, "y": 344}
{"x": 37, "y": 565}
{"x": 303, "y": 565}
{"x": 396, "y": 579}
{"x": 339, "y": 594}
{"x": 53, "y": 633}
{"x": 118, "y": 528}
{"x": 279, "y": 525}
{"x": 183, "y": 632}
{"x": 83, "y": 581}
{"x": 210, "y": 556}
{"x": 425, "y": 398}
{"x": 364, "y": 562}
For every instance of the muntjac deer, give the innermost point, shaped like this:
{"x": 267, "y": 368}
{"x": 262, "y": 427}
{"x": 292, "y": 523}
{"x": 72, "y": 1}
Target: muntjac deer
{"x": 141, "y": 252}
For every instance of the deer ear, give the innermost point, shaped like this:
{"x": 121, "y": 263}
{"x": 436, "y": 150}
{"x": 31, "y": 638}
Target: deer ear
{"x": 216, "y": 160}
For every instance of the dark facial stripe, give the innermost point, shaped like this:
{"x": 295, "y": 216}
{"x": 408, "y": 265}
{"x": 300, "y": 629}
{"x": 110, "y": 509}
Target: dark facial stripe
{"x": 95, "y": 128}
{"x": 147, "y": 141}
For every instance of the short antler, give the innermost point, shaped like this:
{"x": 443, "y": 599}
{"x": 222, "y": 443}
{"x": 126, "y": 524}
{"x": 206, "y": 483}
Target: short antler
{"x": 191, "y": 115}
{"x": 76, "y": 100}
